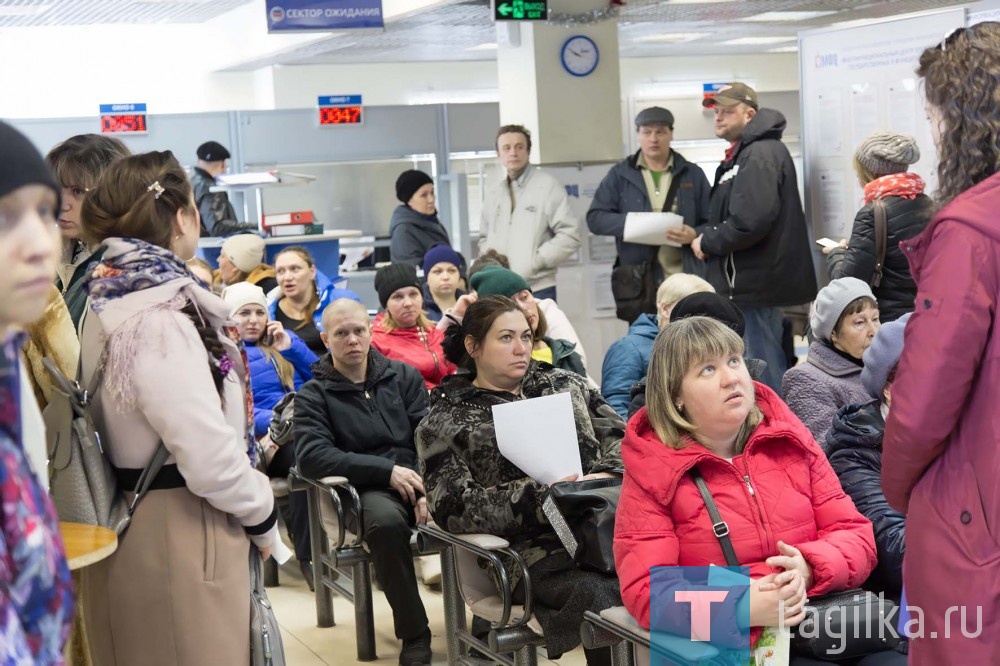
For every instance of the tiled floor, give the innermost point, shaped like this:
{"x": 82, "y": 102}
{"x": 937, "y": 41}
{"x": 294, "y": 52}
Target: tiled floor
{"x": 308, "y": 645}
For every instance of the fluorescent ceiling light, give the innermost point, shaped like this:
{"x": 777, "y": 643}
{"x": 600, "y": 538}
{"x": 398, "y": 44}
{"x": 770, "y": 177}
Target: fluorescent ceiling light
{"x": 784, "y": 49}
{"x": 757, "y": 41}
{"x": 489, "y": 46}
{"x": 24, "y": 10}
{"x": 772, "y": 17}
{"x": 673, "y": 37}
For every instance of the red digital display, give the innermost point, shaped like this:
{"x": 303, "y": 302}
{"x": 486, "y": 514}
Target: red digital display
{"x": 340, "y": 115}
{"x": 120, "y": 123}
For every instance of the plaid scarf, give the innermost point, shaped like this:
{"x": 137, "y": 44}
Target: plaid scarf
{"x": 906, "y": 185}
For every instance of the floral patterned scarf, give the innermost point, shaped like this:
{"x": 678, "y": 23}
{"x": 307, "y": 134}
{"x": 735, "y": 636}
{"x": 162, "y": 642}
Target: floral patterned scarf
{"x": 132, "y": 265}
{"x": 37, "y": 605}
{"x": 906, "y": 185}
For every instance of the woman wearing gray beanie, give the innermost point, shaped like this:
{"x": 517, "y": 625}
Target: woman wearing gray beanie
{"x": 845, "y": 318}
{"x": 881, "y": 163}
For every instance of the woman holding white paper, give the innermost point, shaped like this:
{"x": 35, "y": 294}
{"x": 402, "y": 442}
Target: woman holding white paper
{"x": 472, "y": 488}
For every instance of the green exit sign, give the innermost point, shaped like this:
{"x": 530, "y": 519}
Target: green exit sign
{"x": 521, "y": 10}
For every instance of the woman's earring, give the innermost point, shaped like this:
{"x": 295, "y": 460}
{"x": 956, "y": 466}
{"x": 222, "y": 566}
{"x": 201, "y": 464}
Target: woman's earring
{"x": 680, "y": 406}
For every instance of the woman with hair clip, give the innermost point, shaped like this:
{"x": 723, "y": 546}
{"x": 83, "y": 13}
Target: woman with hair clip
{"x": 941, "y": 450}
{"x": 176, "y": 590}
{"x": 472, "y": 488}
{"x": 403, "y": 332}
{"x": 78, "y": 163}
{"x": 279, "y": 364}
{"x": 305, "y": 293}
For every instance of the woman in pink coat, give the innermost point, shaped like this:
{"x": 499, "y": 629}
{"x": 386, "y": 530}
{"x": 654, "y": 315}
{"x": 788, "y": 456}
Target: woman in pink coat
{"x": 941, "y": 453}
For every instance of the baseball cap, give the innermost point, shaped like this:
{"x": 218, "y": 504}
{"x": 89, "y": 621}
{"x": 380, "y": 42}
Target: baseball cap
{"x": 732, "y": 94}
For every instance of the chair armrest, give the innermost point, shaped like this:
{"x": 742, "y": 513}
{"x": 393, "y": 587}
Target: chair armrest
{"x": 334, "y": 487}
{"x": 489, "y": 547}
{"x": 610, "y": 627}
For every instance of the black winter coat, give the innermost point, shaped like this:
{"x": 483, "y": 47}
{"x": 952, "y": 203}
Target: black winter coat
{"x": 411, "y": 234}
{"x": 756, "y": 237}
{"x": 905, "y": 218}
{"x": 854, "y": 446}
{"x": 218, "y": 217}
{"x": 623, "y": 191}
{"x": 359, "y": 430}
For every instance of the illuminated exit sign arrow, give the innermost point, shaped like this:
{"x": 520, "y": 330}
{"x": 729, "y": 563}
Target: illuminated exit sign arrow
{"x": 521, "y": 10}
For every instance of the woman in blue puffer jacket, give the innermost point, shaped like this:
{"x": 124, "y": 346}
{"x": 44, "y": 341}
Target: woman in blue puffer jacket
{"x": 279, "y": 363}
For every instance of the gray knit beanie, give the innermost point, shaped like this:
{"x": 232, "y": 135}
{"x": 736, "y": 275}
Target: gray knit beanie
{"x": 832, "y": 300}
{"x": 883, "y": 355}
{"x": 884, "y": 152}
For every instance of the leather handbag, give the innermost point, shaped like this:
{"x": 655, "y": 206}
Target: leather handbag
{"x": 839, "y": 626}
{"x": 280, "y": 428}
{"x": 266, "y": 647}
{"x": 582, "y": 513}
{"x": 82, "y": 481}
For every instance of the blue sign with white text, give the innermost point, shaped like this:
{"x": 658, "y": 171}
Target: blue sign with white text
{"x": 338, "y": 100}
{"x": 320, "y": 15}
{"x": 134, "y": 107}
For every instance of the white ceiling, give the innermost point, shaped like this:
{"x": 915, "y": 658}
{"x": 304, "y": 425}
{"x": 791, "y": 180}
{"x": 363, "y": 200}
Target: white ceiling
{"x": 449, "y": 31}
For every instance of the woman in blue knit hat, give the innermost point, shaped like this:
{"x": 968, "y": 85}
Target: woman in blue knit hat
{"x": 443, "y": 274}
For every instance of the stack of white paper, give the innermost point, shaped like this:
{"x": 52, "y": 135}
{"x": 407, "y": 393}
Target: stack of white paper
{"x": 539, "y": 436}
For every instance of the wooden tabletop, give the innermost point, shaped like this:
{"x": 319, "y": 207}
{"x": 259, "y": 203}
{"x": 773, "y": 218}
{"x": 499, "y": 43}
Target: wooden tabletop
{"x": 87, "y": 544}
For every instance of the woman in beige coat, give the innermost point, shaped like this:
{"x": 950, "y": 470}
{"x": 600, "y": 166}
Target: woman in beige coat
{"x": 176, "y": 592}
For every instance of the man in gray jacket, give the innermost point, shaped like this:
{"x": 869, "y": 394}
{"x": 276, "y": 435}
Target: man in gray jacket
{"x": 527, "y": 215}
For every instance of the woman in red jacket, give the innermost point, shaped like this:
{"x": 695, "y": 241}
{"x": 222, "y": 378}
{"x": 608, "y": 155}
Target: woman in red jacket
{"x": 941, "y": 452}
{"x": 403, "y": 331}
{"x": 789, "y": 520}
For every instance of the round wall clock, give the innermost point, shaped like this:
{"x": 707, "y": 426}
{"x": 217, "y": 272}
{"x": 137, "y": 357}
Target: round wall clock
{"x": 580, "y": 55}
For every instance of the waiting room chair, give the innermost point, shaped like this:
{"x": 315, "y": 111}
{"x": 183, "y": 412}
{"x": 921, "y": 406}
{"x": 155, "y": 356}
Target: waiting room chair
{"x": 629, "y": 642}
{"x": 340, "y": 557}
{"x": 465, "y": 583}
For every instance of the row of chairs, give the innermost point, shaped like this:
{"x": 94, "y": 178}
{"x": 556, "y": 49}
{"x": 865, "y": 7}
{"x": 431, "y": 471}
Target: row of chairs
{"x": 341, "y": 566}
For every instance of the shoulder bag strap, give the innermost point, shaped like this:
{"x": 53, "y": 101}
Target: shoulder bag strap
{"x": 148, "y": 476}
{"x": 668, "y": 203}
{"x": 881, "y": 240}
{"x": 719, "y": 526}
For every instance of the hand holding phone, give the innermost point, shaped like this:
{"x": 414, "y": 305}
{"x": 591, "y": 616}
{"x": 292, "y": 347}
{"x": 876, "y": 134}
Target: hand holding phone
{"x": 826, "y": 242}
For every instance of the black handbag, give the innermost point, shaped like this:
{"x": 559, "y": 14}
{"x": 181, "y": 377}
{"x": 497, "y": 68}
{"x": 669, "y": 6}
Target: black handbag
{"x": 582, "y": 513}
{"x": 634, "y": 285}
{"x": 839, "y": 626}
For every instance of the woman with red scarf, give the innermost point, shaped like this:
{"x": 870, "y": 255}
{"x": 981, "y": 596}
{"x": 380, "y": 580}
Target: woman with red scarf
{"x": 881, "y": 162}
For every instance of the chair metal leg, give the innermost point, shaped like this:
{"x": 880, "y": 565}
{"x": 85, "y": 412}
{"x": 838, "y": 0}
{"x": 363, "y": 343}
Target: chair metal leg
{"x": 622, "y": 654}
{"x": 454, "y": 607}
{"x": 320, "y": 548}
{"x": 526, "y": 656}
{"x": 364, "y": 616}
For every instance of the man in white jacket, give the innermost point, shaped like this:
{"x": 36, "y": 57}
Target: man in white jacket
{"x": 527, "y": 215}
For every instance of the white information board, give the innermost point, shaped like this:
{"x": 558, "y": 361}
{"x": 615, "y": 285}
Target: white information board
{"x": 856, "y": 80}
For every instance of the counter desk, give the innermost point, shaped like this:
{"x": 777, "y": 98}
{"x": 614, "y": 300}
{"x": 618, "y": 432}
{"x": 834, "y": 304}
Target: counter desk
{"x": 324, "y": 248}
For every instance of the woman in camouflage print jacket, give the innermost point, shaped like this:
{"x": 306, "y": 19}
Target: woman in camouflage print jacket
{"x": 472, "y": 488}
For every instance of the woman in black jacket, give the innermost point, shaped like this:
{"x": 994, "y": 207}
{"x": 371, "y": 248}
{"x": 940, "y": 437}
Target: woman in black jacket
{"x": 881, "y": 162}
{"x": 854, "y": 446}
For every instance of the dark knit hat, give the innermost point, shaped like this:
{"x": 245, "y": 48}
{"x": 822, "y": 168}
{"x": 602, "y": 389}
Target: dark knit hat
{"x": 392, "y": 277}
{"x": 498, "y": 281}
{"x": 21, "y": 164}
{"x": 884, "y": 153}
{"x": 212, "y": 151}
{"x": 883, "y": 355}
{"x": 409, "y": 182}
{"x": 442, "y": 253}
{"x": 710, "y": 304}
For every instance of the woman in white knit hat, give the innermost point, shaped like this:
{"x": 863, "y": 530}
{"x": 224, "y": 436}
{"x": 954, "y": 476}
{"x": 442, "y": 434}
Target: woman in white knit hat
{"x": 845, "y": 318}
{"x": 242, "y": 260}
{"x": 881, "y": 163}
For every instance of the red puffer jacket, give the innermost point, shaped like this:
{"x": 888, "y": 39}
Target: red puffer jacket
{"x": 418, "y": 348}
{"x": 780, "y": 488}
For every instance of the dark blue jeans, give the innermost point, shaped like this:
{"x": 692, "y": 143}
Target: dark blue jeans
{"x": 763, "y": 340}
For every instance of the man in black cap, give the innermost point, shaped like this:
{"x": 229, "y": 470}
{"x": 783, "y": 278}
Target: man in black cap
{"x": 756, "y": 245}
{"x": 654, "y": 179}
{"x": 218, "y": 218}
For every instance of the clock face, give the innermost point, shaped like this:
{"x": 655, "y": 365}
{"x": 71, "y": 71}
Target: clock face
{"x": 580, "y": 55}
